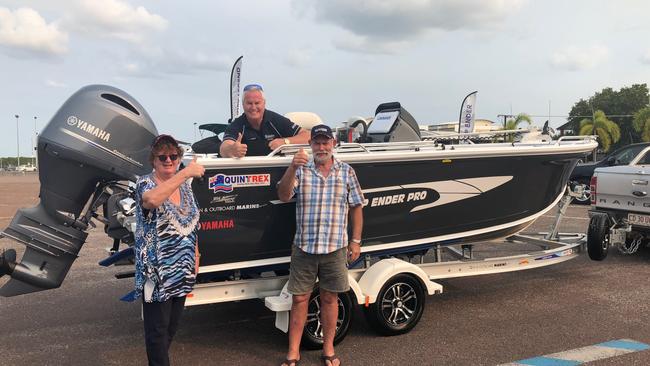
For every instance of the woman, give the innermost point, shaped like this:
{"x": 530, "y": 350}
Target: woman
{"x": 165, "y": 244}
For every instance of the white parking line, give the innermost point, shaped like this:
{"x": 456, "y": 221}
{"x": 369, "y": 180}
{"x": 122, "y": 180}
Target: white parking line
{"x": 581, "y": 355}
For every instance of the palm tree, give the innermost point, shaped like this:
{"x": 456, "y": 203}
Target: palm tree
{"x": 513, "y": 124}
{"x": 642, "y": 123}
{"x": 608, "y": 132}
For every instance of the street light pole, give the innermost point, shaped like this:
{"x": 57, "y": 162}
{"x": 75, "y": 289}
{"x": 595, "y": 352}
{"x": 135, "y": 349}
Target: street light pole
{"x": 34, "y": 142}
{"x": 17, "y": 141}
{"x": 593, "y": 124}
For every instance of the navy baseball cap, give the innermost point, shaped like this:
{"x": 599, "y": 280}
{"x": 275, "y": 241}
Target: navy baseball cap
{"x": 322, "y": 130}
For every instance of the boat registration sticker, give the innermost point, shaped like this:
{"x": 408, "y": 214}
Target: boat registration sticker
{"x": 639, "y": 220}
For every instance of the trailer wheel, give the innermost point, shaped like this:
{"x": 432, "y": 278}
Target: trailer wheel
{"x": 312, "y": 336}
{"x": 585, "y": 199}
{"x": 399, "y": 306}
{"x": 598, "y": 237}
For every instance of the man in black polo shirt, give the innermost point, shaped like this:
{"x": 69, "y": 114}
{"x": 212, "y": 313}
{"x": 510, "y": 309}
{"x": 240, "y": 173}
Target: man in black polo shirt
{"x": 259, "y": 131}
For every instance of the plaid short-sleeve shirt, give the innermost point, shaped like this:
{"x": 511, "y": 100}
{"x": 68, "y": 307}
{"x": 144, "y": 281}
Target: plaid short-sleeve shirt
{"x": 322, "y": 205}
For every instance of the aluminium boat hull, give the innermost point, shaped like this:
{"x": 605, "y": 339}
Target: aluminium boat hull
{"x": 414, "y": 199}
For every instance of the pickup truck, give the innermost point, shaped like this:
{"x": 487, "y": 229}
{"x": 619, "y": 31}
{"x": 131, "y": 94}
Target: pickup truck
{"x": 582, "y": 173}
{"x": 620, "y": 207}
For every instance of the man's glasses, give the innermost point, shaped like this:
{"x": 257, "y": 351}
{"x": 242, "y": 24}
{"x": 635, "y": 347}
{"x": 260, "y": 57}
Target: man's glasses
{"x": 163, "y": 158}
{"x": 253, "y": 87}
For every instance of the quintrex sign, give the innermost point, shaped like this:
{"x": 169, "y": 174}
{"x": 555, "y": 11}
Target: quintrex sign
{"x": 226, "y": 183}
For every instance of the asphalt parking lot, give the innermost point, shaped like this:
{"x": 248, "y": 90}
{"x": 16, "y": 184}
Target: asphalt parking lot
{"x": 483, "y": 320}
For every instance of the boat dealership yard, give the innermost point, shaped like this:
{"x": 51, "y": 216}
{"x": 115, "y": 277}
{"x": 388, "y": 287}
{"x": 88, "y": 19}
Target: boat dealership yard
{"x": 481, "y": 320}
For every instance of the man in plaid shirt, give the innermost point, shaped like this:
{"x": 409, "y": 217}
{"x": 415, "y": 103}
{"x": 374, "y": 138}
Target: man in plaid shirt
{"x": 326, "y": 191}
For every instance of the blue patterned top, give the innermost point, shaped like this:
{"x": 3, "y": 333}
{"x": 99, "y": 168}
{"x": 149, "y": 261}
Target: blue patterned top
{"x": 165, "y": 240}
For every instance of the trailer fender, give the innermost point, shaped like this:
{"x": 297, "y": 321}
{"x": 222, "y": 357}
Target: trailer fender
{"x": 356, "y": 290}
{"x": 376, "y": 276}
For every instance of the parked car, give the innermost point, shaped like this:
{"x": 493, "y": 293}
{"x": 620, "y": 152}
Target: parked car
{"x": 582, "y": 173}
{"x": 26, "y": 168}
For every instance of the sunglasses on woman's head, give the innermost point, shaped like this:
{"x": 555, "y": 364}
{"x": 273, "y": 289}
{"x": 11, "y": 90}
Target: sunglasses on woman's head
{"x": 163, "y": 158}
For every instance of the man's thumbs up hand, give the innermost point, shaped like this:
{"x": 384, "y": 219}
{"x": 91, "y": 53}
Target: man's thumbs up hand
{"x": 239, "y": 149}
{"x": 301, "y": 158}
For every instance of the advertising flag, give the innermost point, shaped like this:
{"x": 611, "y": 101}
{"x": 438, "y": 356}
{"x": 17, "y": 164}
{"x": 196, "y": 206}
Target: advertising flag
{"x": 235, "y": 79}
{"x": 467, "y": 109}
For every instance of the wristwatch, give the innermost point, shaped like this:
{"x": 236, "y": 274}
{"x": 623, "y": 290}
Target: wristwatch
{"x": 356, "y": 241}
{"x": 287, "y": 142}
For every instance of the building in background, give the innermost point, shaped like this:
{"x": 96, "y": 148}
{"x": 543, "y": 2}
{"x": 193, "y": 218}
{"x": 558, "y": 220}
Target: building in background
{"x": 480, "y": 125}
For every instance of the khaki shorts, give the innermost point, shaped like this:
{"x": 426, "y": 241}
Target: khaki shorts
{"x": 331, "y": 270}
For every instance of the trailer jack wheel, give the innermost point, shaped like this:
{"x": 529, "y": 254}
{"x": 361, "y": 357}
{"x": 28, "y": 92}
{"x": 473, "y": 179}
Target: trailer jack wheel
{"x": 399, "y": 306}
{"x": 598, "y": 237}
{"x": 312, "y": 336}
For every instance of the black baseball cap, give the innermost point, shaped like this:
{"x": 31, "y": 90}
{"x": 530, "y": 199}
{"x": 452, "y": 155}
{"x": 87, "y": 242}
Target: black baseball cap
{"x": 322, "y": 130}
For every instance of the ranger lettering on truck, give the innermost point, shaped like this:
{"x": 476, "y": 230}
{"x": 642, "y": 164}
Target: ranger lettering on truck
{"x": 628, "y": 203}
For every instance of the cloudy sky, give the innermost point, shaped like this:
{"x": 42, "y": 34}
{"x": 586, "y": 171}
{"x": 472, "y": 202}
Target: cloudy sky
{"x": 337, "y": 58}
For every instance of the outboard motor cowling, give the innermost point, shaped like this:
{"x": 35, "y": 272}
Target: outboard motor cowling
{"x": 100, "y": 135}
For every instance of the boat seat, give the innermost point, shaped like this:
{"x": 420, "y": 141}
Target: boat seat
{"x": 208, "y": 145}
{"x": 305, "y": 120}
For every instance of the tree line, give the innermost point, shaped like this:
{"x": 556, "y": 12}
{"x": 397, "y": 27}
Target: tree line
{"x": 13, "y": 161}
{"x": 619, "y": 117}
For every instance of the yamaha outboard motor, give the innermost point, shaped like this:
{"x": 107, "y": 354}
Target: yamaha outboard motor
{"x": 100, "y": 136}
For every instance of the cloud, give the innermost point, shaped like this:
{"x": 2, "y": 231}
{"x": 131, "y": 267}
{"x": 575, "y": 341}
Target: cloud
{"x": 646, "y": 57}
{"x": 114, "y": 19}
{"x": 55, "y": 84}
{"x": 162, "y": 62}
{"x": 573, "y": 58}
{"x": 24, "y": 32}
{"x": 360, "y": 44}
{"x": 377, "y": 22}
{"x": 297, "y": 57}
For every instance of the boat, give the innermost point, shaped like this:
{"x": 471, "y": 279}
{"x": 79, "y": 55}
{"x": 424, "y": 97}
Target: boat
{"x": 419, "y": 192}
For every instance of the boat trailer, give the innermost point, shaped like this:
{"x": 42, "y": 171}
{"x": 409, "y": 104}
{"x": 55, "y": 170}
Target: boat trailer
{"x": 392, "y": 288}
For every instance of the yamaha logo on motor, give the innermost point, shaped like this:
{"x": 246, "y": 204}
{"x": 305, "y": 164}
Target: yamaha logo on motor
{"x": 89, "y": 128}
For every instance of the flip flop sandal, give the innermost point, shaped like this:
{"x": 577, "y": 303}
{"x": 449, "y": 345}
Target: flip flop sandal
{"x": 330, "y": 359}
{"x": 290, "y": 362}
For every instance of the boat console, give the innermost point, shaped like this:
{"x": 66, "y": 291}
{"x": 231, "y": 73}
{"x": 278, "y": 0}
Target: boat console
{"x": 392, "y": 123}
